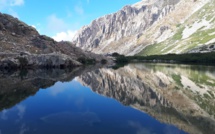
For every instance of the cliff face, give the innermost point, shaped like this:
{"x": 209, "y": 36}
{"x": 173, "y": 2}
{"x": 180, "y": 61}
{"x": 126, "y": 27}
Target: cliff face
{"x": 134, "y": 27}
{"x": 21, "y": 44}
{"x": 170, "y": 95}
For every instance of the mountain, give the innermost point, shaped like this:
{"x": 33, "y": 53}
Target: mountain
{"x": 22, "y": 45}
{"x": 173, "y": 94}
{"x": 152, "y": 27}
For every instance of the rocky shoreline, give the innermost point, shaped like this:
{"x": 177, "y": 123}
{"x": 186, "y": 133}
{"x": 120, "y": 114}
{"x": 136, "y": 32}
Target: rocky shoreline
{"x": 52, "y": 60}
{"x": 21, "y": 46}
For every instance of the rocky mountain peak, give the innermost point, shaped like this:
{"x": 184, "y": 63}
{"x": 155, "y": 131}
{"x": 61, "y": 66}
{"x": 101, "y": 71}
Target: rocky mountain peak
{"x": 10, "y": 24}
{"x": 123, "y": 27}
{"x": 148, "y": 22}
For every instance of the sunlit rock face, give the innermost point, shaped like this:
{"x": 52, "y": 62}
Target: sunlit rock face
{"x": 105, "y": 34}
{"x": 150, "y": 22}
{"x": 169, "y": 93}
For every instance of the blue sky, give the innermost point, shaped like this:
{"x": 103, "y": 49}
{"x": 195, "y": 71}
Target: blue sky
{"x": 60, "y": 18}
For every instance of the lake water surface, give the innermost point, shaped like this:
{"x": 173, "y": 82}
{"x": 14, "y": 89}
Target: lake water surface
{"x": 135, "y": 99}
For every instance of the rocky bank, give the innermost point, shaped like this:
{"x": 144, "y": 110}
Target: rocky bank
{"x": 22, "y": 46}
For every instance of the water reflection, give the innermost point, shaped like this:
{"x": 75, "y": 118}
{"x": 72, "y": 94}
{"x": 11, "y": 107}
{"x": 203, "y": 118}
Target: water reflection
{"x": 181, "y": 95}
{"x": 156, "y": 98}
{"x": 17, "y": 85}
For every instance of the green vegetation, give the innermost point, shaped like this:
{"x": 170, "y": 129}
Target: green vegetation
{"x": 103, "y": 61}
{"x": 177, "y": 44}
{"x": 207, "y": 96}
{"x": 119, "y": 65}
{"x": 151, "y": 49}
{"x": 201, "y": 78}
{"x": 116, "y": 54}
{"x": 86, "y": 61}
{"x": 178, "y": 34}
{"x": 23, "y": 62}
{"x": 195, "y": 58}
{"x": 177, "y": 79}
{"x": 177, "y": 88}
{"x": 120, "y": 59}
{"x": 205, "y": 103}
{"x": 212, "y": 95}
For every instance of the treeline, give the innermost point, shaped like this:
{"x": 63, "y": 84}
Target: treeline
{"x": 198, "y": 58}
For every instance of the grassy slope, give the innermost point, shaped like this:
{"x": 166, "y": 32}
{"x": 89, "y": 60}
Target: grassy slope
{"x": 176, "y": 44}
{"x": 197, "y": 75}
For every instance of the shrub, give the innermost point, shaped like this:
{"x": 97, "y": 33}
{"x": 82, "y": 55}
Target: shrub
{"x": 23, "y": 62}
{"x": 85, "y": 61}
{"x": 103, "y": 61}
{"x": 115, "y": 54}
{"x": 122, "y": 59}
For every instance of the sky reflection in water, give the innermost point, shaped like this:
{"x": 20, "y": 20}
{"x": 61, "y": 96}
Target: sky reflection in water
{"x": 72, "y": 108}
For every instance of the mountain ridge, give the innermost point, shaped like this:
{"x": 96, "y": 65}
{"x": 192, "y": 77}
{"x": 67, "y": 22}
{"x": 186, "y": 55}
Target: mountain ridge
{"x": 146, "y": 23}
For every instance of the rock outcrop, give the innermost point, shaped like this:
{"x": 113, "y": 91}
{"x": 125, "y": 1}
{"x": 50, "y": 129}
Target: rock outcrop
{"x": 149, "y": 22}
{"x": 204, "y": 49}
{"x": 22, "y": 45}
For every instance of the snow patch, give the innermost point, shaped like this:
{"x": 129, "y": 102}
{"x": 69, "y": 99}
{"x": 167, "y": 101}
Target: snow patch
{"x": 187, "y": 83}
{"x": 188, "y": 31}
{"x": 211, "y": 34}
{"x": 164, "y": 36}
{"x": 176, "y": 49}
{"x": 211, "y": 41}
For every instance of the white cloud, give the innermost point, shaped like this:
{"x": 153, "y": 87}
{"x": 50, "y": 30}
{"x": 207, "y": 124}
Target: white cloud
{"x": 16, "y": 2}
{"x": 23, "y": 129}
{"x": 140, "y": 128}
{"x": 65, "y": 36}
{"x": 57, "y": 89}
{"x": 8, "y": 3}
{"x": 7, "y": 6}
{"x": 21, "y": 110}
{"x": 56, "y": 24}
{"x": 79, "y": 9}
{"x": 59, "y": 29}
{"x": 3, "y": 115}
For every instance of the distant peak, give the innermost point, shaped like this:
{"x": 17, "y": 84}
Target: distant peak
{"x": 138, "y": 5}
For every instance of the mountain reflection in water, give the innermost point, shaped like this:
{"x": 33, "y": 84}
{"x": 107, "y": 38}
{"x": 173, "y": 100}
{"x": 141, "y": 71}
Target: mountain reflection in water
{"x": 182, "y": 95}
{"x": 156, "y": 98}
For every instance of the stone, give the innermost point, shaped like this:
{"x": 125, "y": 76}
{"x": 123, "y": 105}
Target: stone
{"x": 134, "y": 27}
{"x": 122, "y": 28}
{"x": 22, "y": 45}
{"x": 13, "y": 34}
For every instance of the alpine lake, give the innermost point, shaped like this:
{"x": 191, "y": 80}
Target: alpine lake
{"x": 139, "y": 98}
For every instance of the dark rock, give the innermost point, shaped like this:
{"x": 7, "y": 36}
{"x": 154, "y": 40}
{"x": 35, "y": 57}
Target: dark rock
{"x": 22, "y": 46}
